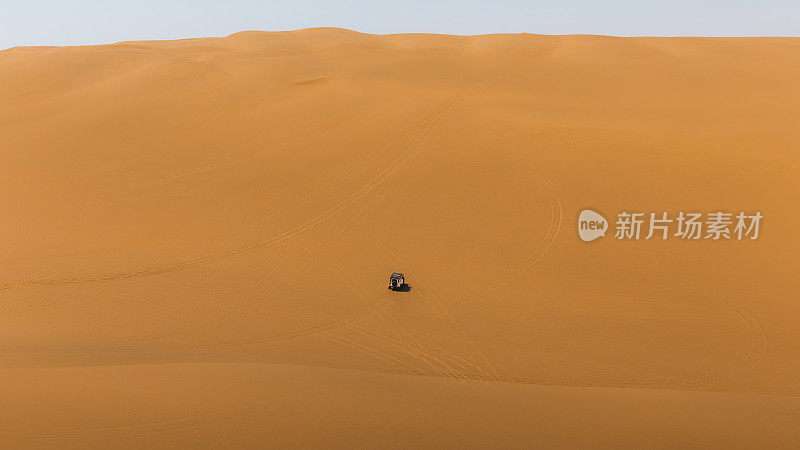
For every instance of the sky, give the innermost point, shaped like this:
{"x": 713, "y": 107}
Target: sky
{"x": 79, "y": 22}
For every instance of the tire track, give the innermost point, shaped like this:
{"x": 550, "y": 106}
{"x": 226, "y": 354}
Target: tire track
{"x": 758, "y": 338}
{"x": 32, "y": 279}
{"x": 142, "y": 306}
{"x": 456, "y": 331}
{"x": 406, "y": 343}
{"x": 162, "y": 427}
{"x": 553, "y": 229}
{"x": 427, "y": 125}
{"x": 385, "y": 177}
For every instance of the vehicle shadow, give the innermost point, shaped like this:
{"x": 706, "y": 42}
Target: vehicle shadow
{"x": 401, "y": 288}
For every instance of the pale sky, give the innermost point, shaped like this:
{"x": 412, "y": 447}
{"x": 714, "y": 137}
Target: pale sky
{"x": 77, "y": 22}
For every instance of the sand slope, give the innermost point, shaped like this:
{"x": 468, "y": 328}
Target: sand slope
{"x": 196, "y": 236}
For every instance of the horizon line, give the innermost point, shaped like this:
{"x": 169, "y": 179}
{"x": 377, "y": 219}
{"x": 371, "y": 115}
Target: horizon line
{"x": 407, "y": 34}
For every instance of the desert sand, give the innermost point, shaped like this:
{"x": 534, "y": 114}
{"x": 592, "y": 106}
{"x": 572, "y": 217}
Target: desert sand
{"x": 196, "y": 235}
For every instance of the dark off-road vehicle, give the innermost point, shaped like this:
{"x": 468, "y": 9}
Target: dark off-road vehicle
{"x": 397, "y": 281}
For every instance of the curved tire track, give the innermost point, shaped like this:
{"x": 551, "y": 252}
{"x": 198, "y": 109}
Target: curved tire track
{"x": 553, "y": 229}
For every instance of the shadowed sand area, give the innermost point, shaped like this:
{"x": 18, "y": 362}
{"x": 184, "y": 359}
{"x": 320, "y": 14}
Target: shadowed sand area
{"x": 196, "y": 236}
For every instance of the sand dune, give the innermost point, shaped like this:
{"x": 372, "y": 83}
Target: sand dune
{"x": 196, "y": 236}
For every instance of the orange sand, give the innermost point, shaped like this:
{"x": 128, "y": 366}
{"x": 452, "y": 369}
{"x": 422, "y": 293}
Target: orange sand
{"x": 196, "y": 236}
